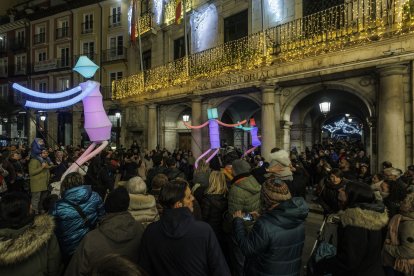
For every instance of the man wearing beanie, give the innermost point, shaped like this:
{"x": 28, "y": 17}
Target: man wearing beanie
{"x": 118, "y": 233}
{"x": 274, "y": 245}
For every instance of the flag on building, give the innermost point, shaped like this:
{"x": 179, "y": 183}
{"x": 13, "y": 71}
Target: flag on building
{"x": 178, "y": 8}
{"x": 133, "y": 22}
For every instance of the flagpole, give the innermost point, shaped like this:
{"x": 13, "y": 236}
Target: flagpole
{"x": 185, "y": 36}
{"x": 139, "y": 37}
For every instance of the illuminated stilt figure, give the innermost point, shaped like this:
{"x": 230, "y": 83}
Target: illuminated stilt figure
{"x": 214, "y": 133}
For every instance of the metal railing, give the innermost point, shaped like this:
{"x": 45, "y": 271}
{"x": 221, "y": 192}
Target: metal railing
{"x": 106, "y": 92}
{"x": 64, "y": 62}
{"x": 39, "y": 38}
{"x": 114, "y": 20}
{"x": 62, "y": 32}
{"x": 91, "y": 56}
{"x": 87, "y": 27}
{"x": 332, "y": 30}
{"x": 114, "y": 54}
{"x": 145, "y": 23}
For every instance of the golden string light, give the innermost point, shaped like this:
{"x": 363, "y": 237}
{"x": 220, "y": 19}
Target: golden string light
{"x": 335, "y": 29}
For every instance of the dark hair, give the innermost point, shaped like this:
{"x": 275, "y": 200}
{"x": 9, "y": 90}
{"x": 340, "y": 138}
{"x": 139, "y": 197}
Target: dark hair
{"x": 73, "y": 179}
{"x": 386, "y": 164}
{"x": 397, "y": 191}
{"x": 172, "y": 192}
{"x": 156, "y": 159}
{"x": 358, "y": 193}
{"x": 159, "y": 181}
{"x": 170, "y": 162}
{"x": 337, "y": 172}
{"x": 14, "y": 209}
{"x": 380, "y": 176}
{"x": 274, "y": 150}
{"x": 114, "y": 265}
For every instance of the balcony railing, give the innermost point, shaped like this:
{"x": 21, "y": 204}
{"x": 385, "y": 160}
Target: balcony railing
{"x": 18, "y": 45}
{"x": 91, "y": 56}
{"x": 332, "y": 30}
{"x": 20, "y": 69}
{"x": 39, "y": 38}
{"x": 87, "y": 27}
{"x": 106, "y": 92}
{"x": 45, "y": 65}
{"x": 64, "y": 62}
{"x": 145, "y": 23}
{"x": 62, "y": 32}
{"x": 114, "y": 20}
{"x": 114, "y": 54}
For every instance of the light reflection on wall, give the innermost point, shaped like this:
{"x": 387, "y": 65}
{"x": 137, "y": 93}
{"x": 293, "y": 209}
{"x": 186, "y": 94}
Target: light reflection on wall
{"x": 275, "y": 11}
{"x": 204, "y": 28}
{"x": 158, "y": 10}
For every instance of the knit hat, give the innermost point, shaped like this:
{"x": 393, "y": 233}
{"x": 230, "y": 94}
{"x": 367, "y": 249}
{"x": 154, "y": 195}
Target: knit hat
{"x": 273, "y": 192}
{"x": 136, "y": 185}
{"x": 117, "y": 200}
{"x": 240, "y": 166}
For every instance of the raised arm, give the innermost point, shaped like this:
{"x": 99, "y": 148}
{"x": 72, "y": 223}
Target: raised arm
{"x": 42, "y": 95}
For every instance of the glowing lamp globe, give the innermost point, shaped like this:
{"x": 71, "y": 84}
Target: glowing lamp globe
{"x": 86, "y": 67}
{"x": 325, "y": 106}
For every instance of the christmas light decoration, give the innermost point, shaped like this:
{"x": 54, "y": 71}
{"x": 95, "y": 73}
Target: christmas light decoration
{"x": 204, "y": 27}
{"x": 158, "y": 8}
{"x": 253, "y": 133}
{"x": 341, "y": 125}
{"x": 352, "y": 24}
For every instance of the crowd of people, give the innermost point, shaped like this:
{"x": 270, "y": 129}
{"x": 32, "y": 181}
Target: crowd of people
{"x": 140, "y": 212}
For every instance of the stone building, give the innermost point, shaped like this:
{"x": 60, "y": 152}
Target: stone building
{"x": 275, "y": 66}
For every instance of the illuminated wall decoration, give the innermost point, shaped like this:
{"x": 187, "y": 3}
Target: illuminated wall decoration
{"x": 275, "y": 11}
{"x": 204, "y": 28}
{"x": 253, "y": 134}
{"x": 130, "y": 18}
{"x": 344, "y": 127}
{"x": 158, "y": 10}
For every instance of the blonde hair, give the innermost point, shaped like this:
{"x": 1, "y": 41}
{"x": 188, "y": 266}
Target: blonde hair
{"x": 217, "y": 183}
{"x": 203, "y": 167}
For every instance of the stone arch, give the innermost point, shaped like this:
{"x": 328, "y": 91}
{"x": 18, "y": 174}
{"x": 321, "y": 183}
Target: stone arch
{"x": 171, "y": 124}
{"x": 295, "y": 98}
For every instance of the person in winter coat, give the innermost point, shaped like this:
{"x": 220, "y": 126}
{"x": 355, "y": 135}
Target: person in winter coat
{"x": 28, "y": 245}
{"x": 274, "y": 245}
{"x": 76, "y": 213}
{"x": 214, "y": 204}
{"x": 328, "y": 191}
{"x": 359, "y": 234}
{"x": 118, "y": 233}
{"x": 39, "y": 174}
{"x": 398, "y": 251}
{"x": 172, "y": 172}
{"x": 142, "y": 206}
{"x": 159, "y": 181}
{"x": 101, "y": 175}
{"x": 158, "y": 167}
{"x": 177, "y": 244}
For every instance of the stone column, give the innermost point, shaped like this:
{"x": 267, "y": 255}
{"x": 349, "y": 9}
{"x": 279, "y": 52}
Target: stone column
{"x": 268, "y": 120}
{"x": 152, "y": 126}
{"x": 286, "y": 135}
{"x": 391, "y": 135}
{"x": 204, "y": 131}
{"x": 52, "y": 127}
{"x": 31, "y": 126}
{"x": 196, "y": 146}
{"x": 76, "y": 128}
{"x": 277, "y": 122}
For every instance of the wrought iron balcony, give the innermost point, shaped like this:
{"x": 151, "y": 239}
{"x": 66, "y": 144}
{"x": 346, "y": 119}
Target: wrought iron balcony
{"x": 62, "y": 32}
{"x": 39, "y": 38}
{"x": 64, "y": 62}
{"x": 20, "y": 69}
{"x": 87, "y": 27}
{"x": 114, "y": 54}
{"x": 45, "y": 65}
{"x": 145, "y": 23}
{"x": 106, "y": 92}
{"x": 114, "y": 20}
{"x": 91, "y": 56}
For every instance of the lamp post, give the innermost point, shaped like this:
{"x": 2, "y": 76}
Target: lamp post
{"x": 186, "y": 118}
{"x": 325, "y": 106}
{"x": 118, "y": 128}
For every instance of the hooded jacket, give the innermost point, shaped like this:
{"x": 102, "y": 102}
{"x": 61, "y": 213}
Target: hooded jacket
{"x": 118, "y": 233}
{"x": 177, "y": 244}
{"x": 281, "y": 158}
{"x": 70, "y": 227}
{"x": 274, "y": 245}
{"x": 30, "y": 250}
{"x": 143, "y": 208}
{"x": 244, "y": 194}
{"x": 359, "y": 242}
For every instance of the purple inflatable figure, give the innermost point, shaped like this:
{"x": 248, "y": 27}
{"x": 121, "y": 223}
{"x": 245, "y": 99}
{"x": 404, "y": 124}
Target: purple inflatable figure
{"x": 213, "y": 123}
{"x": 253, "y": 133}
{"x": 97, "y": 124}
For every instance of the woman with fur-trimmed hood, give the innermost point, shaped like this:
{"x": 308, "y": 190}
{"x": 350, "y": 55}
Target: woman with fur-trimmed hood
{"x": 28, "y": 245}
{"x": 141, "y": 205}
{"x": 359, "y": 234}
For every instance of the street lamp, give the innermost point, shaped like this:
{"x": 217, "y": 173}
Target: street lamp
{"x": 349, "y": 120}
{"x": 118, "y": 128}
{"x": 347, "y": 114}
{"x": 43, "y": 117}
{"x": 186, "y": 118}
{"x": 325, "y": 106}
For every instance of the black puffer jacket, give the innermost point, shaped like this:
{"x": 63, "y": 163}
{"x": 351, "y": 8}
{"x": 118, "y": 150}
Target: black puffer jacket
{"x": 359, "y": 242}
{"x": 212, "y": 210}
{"x": 274, "y": 245}
{"x": 328, "y": 197}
